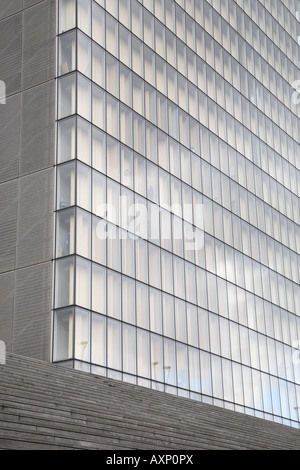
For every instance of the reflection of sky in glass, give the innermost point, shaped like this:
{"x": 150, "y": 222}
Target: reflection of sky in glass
{"x": 170, "y": 118}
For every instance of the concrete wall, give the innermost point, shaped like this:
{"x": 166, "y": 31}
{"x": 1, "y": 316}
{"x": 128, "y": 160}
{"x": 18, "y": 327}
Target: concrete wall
{"x": 27, "y": 156}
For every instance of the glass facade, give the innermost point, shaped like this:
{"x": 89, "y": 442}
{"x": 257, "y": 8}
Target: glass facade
{"x": 177, "y": 213}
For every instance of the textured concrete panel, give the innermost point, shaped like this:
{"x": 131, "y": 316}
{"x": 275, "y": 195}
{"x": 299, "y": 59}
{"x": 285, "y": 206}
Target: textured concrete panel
{"x": 9, "y": 7}
{"x": 32, "y": 311}
{"x": 7, "y": 285}
{"x": 27, "y": 153}
{"x": 39, "y": 42}
{"x": 8, "y": 224}
{"x": 11, "y": 52}
{"x": 38, "y": 128}
{"x": 10, "y": 138}
{"x": 35, "y": 218}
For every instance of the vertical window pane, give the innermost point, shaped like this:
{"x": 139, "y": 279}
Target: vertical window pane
{"x": 170, "y": 362}
{"x": 114, "y": 360}
{"x": 64, "y": 282}
{"x": 82, "y": 335}
{"x": 128, "y": 300}
{"x": 98, "y": 350}
{"x": 129, "y": 349}
{"x": 67, "y": 15}
{"x": 67, "y": 96}
{"x": 65, "y": 233}
{"x": 143, "y": 353}
{"x": 67, "y": 50}
{"x": 83, "y": 283}
{"x": 63, "y": 335}
{"x": 98, "y": 289}
{"x": 157, "y": 365}
{"x": 113, "y": 294}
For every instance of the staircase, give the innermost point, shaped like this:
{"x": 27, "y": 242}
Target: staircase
{"x": 47, "y": 407}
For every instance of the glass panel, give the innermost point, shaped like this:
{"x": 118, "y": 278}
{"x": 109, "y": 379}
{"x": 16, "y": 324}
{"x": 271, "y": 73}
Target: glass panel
{"x": 129, "y": 349}
{"x": 63, "y": 335}
{"x": 84, "y": 54}
{"x": 155, "y": 310}
{"x": 166, "y": 271}
{"x": 82, "y": 335}
{"x": 227, "y": 380}
{"x": 192, "y": 325}
{"x": 112, "y": 117}
{"x": 112, "y": 35}
{"x": 66, "y": 139}
{"x": 114, "y": 360}
{"x": 83, "y": 186}
{"x": 84, "y": 16}
{"x": 128, "y": 300}
{"x": 98, "y": 65}
{"x": 142, "y": 305}
{"x": 99, "y": 150}
{"x": 98, "y": 20}
{"x": 168, "y": 315}
{"x": 83, "y": 231}
{"x": 98, "y": 289}
{"x": 113, "y": 294}
{"x": 67, "y": 51}
{"x": 143, "y": 353}
{"x": 170, "y": 362}
{"x": 157, "y": 358}
{"x": 194, "y": 369}
{"x": 180, "y": 320}
{"x": 98, "y": 350}
{"x": 182, "y": 366}
{"x": 67, "y": 15}
{"x": 83, "y": 141}
{"x": 64, "y": 282}
{"x": 67, "y": 95}
{"x": 238, "y": 383}
{"x": 205, "y": 367}
{"x": 98, "y": 107}
{"x": 83, "y": 283}
{"x": 217, "y": 377}
{"x": 65, "y": 186}
{"x": 65, "y": 233}
{"x": 84, "y": 97}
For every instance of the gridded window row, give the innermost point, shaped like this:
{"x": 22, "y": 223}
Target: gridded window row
{"x": 271, "y": 244}
{"x": 106, "y": 112}
{"x": 163, "y": 113}
{"x": 108, "y": 343}
{"x": 147, "y": 269}
{"x": 250, "y": 208}
{"x": 102, "y": 241}
{"x": 217, "y": 27}
{"x": 121, "y": 83}
{"x": 247, "y": 273}
{"x": 232, "y": 70}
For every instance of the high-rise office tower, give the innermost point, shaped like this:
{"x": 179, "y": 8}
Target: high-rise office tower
{"x": 172, "y": 183}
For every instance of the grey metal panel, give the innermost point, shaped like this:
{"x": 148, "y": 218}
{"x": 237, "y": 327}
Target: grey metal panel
{"x": 10, "y": 138}
{"x": 32, "y": 311}
{"x": 10, "y": 7}
{"x": 35, "y": 218}
{"x": 8, "y": 224}
{"x": 7, "y": 285}
{"x": 39, "y": 43}
{"x": 11, "y": 52}
{"x": 38, "y": 128}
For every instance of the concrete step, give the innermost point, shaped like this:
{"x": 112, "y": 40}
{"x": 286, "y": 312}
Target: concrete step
{"x": 46, "y": 406}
